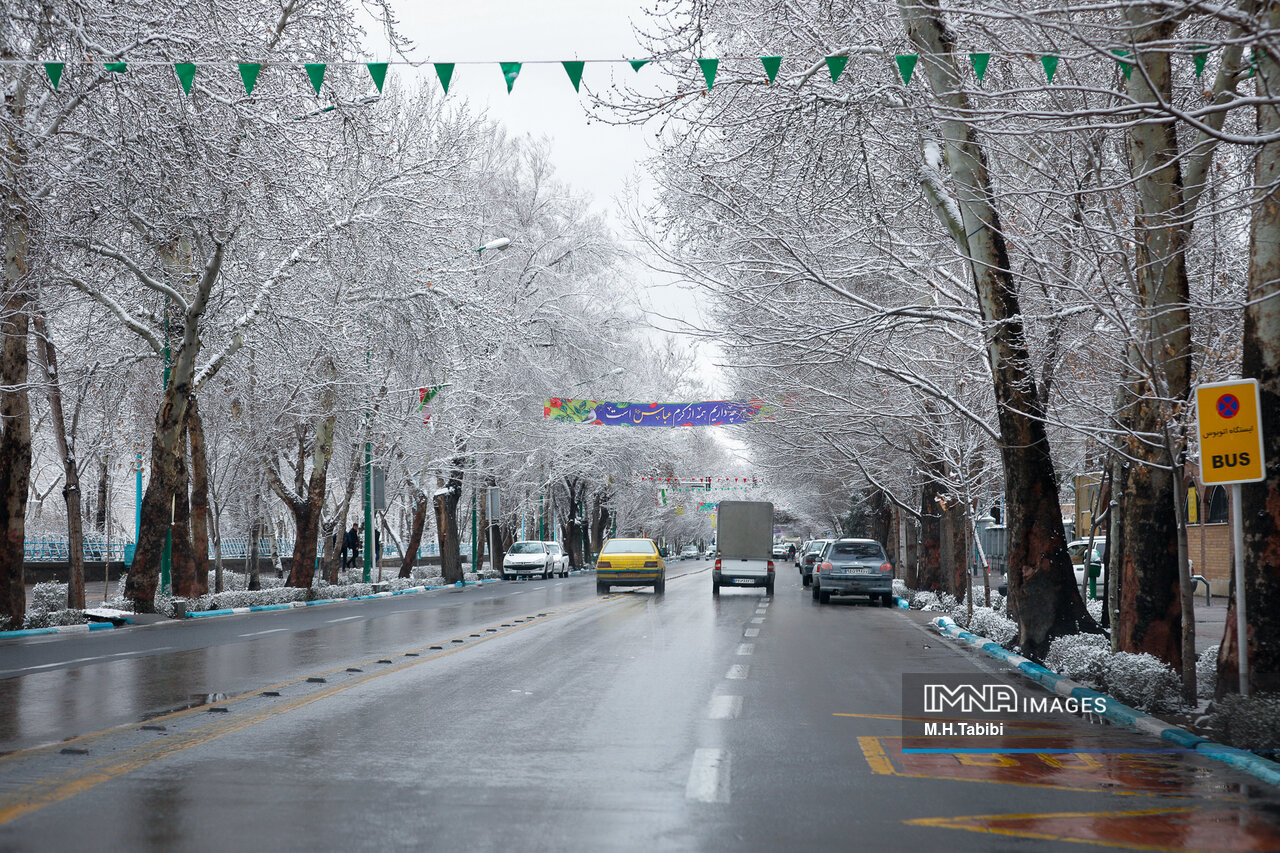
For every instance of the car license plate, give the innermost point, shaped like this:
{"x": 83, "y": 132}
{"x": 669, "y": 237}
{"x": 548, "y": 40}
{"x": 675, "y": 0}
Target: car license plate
{"x": 743, "y": 580}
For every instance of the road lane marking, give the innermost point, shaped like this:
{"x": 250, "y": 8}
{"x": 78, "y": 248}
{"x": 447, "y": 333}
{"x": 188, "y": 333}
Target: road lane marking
{"x": 709, "y": 776}
{"x": 346, "y": 619}
{"x": 65, "y": 784}
{"x": 90, "y": 659}
{"x": 269, "y": 631}
{"x": 724, "y": 708}
{"x": 738, "y": 670}
{"x": 746, "y": 648}
{"x": 758, "y": 620}
{"x": 751, "y": 632}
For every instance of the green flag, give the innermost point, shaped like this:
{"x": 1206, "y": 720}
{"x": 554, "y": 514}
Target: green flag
{"x": 117, "y": 67}
{"x": 835, "y": 65}
{"x": 186, "y": 72}
{"x": 574, "y": 70}
{"x": 315, "y": 70}
{"x": 510, "y": 71}
{"x": 1199, "y": 55}
{"x": 708, "y": 67}
{"x": 249, "y": 74}
{"x": 1126, "y": 65}
{"x": 637, "y": 64}
{"x": 1050, "y": 63}
{"x": 771, "y": 65}
{"x": 979, "y": 62}
{"x": 377, "y": 70}
{"x": 444, "y": 70}
{"x": 906, "y": 65}
{"x": 54, "y": 70}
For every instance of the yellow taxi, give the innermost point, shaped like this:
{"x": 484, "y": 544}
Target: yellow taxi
{"x": 630, "y": 562}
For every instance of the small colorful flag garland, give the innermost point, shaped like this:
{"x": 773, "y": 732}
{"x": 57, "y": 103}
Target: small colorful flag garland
{"x": 904, "y": 64}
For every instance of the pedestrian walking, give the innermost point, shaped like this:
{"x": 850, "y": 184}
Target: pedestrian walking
{"x": 351, "y": 542}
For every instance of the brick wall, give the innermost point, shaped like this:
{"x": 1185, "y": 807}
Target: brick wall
{"x": 1214, "y": 561}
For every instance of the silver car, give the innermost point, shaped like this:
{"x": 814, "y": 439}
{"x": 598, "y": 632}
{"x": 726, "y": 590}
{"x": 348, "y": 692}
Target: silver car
{"x": 527, "y": 559}
{"x": 853, "y": 567}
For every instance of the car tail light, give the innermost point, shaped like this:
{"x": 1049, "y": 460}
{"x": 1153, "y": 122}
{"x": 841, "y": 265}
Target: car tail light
{"x": 771, "y": 565}
{"x": 651, "y": 564}
{"x": 886, "y": 567}
{"x": 603, "y": 564}
{"x": 717, "y": 564}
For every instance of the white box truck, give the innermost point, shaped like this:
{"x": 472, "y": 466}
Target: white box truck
{"x": 744, "y": 545}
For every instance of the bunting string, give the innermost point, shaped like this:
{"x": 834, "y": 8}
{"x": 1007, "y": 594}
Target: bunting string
{"x": 904, "y": 64}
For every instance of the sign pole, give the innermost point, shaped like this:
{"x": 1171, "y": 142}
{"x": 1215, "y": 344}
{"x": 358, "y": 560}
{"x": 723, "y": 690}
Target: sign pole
{"x": 1237, "y": 541}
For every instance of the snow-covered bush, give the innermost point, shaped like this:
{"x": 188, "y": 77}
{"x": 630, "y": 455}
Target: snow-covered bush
{"x": 49, "y": 607}
{"x": 1094, "y": 606}
{"x": 247, "y": 598}
{"x": 1251, "y": 723}
{"x": 900, "y": 588}
{"x": 1079, "y": 656}
{"x": 1142, "y": 681}
{"x": 1207, "y": 672}
{"x": 993, "y": 625}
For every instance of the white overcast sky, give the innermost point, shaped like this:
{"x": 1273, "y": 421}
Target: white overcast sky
{"x": 594, "y": 157}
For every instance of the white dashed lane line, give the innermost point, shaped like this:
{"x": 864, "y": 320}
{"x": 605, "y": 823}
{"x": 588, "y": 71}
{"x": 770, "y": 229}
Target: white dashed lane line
{"x": 344, "y": 619}
{"x": 746, "y": 648}
{"x": 260, "y": 633}
{"x": 709, "y": 776}
{"x": 758, "y": 620}
{"x": 751, "y": 632}
{"x": 724, "y": 708}
{"x": 738, "y": 670}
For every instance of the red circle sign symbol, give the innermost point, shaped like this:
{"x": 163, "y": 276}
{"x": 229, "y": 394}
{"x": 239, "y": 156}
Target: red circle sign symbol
{"x": 1228, "y": 406}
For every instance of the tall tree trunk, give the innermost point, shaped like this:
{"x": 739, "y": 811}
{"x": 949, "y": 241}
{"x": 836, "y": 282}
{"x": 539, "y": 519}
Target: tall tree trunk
{"x": 929, "y": 574}
{"x": 71, "y": 492}
{"x": 254, "y": 580}
{"x": 1042, "y": 586}
{"x": 420, "y": 506}
{"x": 15, "y": 409}
{"x": 1261, "y": 501}
{"x": 104, "y": 490}
{"x": 446, "y": 510}
{"x": 168, "y": 447}
{"x": 1160, "y": 361}
{"x": 307, "y": 511}
{"x": 184, "y": 565}
{"x": 199, "y": 497}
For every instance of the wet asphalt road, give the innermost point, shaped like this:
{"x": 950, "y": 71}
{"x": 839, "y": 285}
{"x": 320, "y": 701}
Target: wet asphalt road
{"x": 560, "y": 721}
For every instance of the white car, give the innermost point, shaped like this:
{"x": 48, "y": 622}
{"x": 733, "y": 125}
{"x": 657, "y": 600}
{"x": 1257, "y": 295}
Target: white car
{"x": 561, "y": 565}
{"x": 690, "y": 552}
{"x": 1076, "y": 549}
{"x": 528, "y": 558}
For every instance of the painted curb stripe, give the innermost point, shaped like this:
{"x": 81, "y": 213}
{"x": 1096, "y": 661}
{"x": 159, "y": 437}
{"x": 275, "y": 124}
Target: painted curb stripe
{"x": 60, "y": 629}
{"x": 1118, "y": 713}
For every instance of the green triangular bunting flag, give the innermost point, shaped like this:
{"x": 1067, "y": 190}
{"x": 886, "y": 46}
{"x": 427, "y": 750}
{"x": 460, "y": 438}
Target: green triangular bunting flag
{"x": 1050, "y": 63}
{"x": 637, "y": 64}
{"x": 906, "y": 64}
{"x": 979, "y": 62}
{"x": 574, "y": 70}
{"x": 771, "y": 65}
{"x": 1199, "y": 55}
{"x": 444, "y": 70}
{"x": 836, "y": 64}
{"x": 54, "y": 70}
{"x": 249, "y": 74}
{"x": 708, "y": 67}
{"x": 378, "y": 71}
{"x": 510, "y": 71}
{"x": 1126, "y": 65}
{"x": 186, "y": 72}
{"x": 315, "y": 70}
{"x": 117, "y": 67}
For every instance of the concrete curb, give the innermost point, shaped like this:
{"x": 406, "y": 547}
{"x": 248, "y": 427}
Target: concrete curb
{"x": 1116, "y": 713}
{"x": 61, "y": 629}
